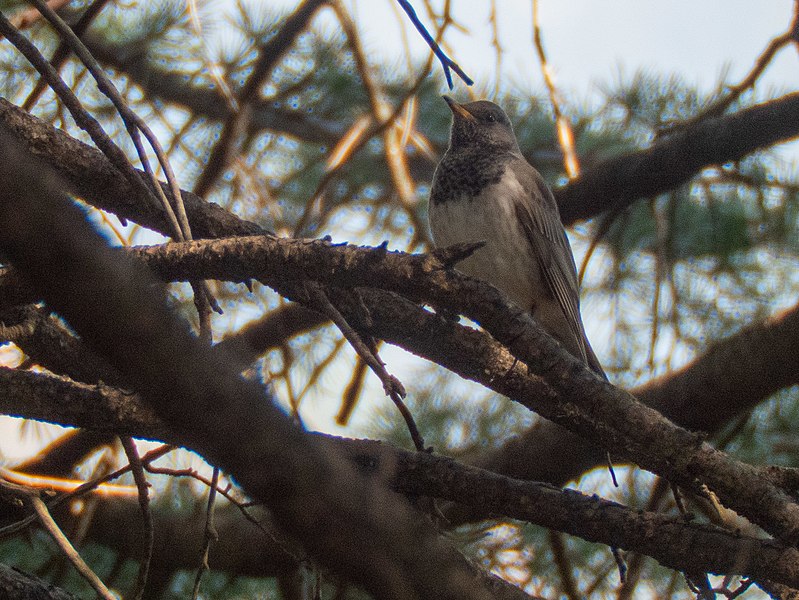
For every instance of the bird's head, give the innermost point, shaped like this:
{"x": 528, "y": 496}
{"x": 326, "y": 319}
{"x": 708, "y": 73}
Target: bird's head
{"x": 480, "y": 123}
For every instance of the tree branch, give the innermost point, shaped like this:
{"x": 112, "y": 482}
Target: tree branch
{"x": 313, "y": 494}
{"x": 672, "y": 161}
{"x": 567, "y": 393}
{"x": 690, "y": 545}
{"x": 17, "y": 585}
{"x": 91, "y": 176}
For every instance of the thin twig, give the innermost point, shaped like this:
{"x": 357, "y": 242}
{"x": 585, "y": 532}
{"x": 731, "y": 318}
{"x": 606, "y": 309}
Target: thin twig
{"x": 621, "y": 565}
{"x": 84, "y": 120}
{"x": 564, "y": 128}
{"x": 355, "y": 147}
{"x": 137, "y": 470}
{"x": 350, "y": 143}
{"x": 86, "y": 488}
{"x": 133, "y": 123}
{"x": 210, "y": 533}
{"x": 446, "y": 62}
{"x": 675, "y": 491}
{"x": 735, "y": 91}
{"x": 498, "y": 51}
{"x": 391, "y": 385}
{"x": 394, "y": 141}
{"x": 62, "y": 52}
{"x": 188, "y": 472}
{"x": 66, "y": 547}
{"x": 31, "y": 498}
{"x": 564, "y": 565}
{"x": 29, "y": 17}
{"x": 238, "y": 119}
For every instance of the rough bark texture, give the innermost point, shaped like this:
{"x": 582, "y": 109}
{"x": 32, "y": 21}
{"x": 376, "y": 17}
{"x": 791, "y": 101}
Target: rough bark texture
{"x": 691, "y": 545}
{"x": 358, "y": 528}
{"x": 16, "y": 585}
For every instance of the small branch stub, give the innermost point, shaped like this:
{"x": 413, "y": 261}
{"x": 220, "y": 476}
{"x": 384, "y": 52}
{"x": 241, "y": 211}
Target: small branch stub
{"x": 452, "y": 255}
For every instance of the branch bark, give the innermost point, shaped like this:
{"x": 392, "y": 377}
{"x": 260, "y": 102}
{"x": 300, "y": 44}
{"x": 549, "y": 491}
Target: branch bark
{"x": 690, "y": 545}
{"x": 17, "y": 585}
{"x": 566, "y": 393}
{"x": 673, "y": 160}
{"x": 314, "y": 495}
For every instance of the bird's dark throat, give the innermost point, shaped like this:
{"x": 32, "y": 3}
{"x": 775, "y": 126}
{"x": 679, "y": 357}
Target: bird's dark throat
{"x": 466, "y": 172}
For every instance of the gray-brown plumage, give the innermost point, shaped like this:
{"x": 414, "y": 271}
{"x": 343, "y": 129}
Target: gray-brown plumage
{"x": 484, "y": 189}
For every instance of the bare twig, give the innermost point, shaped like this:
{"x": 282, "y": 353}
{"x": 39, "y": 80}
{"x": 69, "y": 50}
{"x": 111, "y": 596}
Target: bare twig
{"x": 735, "y": 91}
{"x": 621, "y": 565}
{"x": 238, "y": 119}
{"x": 133, "y": 122}
{"x": 349, "y": 147}
{"x": 498, "y": 51}
{"x": 225, "y": 493}
{"x": 210, "y": 534}
{"x": 28, "y": 17}
{"x": 446, "y": 62}
{"x": 564, "y": 128}
{"x": 144, "y": 503}
{"x": 393, "y": 140}
{"x": 391, "y": 385}
{"x": 86, "y": 488}
{"x": 564, "y": 565}
{"x": 62, "y": 52}
{"x": 69, "y": 551}
{"x": 31, "y": 498}
{"x": 84, "y": 120}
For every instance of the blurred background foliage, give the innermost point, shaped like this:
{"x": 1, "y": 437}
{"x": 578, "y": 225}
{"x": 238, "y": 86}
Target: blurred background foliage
{"x": 665, "y": 277}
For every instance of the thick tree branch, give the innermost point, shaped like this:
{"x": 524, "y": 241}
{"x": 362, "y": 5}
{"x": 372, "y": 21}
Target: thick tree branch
{"x": 312, "y": 494}
{"x": 733, "y": 377}
{"x": 17, "y": 585}
{"x": 689, "y": 546}
{"x": 672, "y": 161}
{"x": 91, "y": 176}
{"x": 46, "y": 341}
{"x": 270, "y": 331}
{"x": 568, "y": 394}
{"x": 227, "y": 224}
{"x": 685, "y": 397}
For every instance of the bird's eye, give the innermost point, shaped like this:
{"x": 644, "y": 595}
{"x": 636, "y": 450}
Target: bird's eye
{"x": 490, "y": 118}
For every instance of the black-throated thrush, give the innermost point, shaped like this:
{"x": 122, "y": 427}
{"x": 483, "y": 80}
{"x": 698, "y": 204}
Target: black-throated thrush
{"x": 484, "y": 189}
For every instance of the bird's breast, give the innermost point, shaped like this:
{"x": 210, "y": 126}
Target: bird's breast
{"x": 507, "y": 260}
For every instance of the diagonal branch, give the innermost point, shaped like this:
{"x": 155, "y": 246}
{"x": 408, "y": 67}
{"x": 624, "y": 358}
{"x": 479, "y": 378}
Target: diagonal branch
{"x": 237, "y": 121}
{"x": 568, "y": 393}
{"x": 672, "y": 161}
{"x": 314, "y": 495}
{"x": 446, "y": 62}
{"x": 690, "y": 545}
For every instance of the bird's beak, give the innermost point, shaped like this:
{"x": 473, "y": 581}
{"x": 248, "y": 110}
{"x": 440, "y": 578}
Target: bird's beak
{"x": 458, "y": 110}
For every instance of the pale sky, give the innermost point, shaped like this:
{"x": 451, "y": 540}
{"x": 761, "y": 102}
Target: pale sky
{"x": 589, "y": 42}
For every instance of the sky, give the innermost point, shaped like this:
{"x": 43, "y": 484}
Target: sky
{"x": 591, "y": 42}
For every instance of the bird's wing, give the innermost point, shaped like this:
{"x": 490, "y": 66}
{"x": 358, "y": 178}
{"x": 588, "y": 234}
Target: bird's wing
{"x": 540, "y": 219}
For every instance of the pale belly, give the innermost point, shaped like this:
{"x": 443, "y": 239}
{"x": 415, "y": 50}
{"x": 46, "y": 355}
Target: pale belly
{"x": 506, "y": 261}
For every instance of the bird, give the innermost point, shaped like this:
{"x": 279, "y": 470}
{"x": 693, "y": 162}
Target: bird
{"x": 485, "y": 190}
